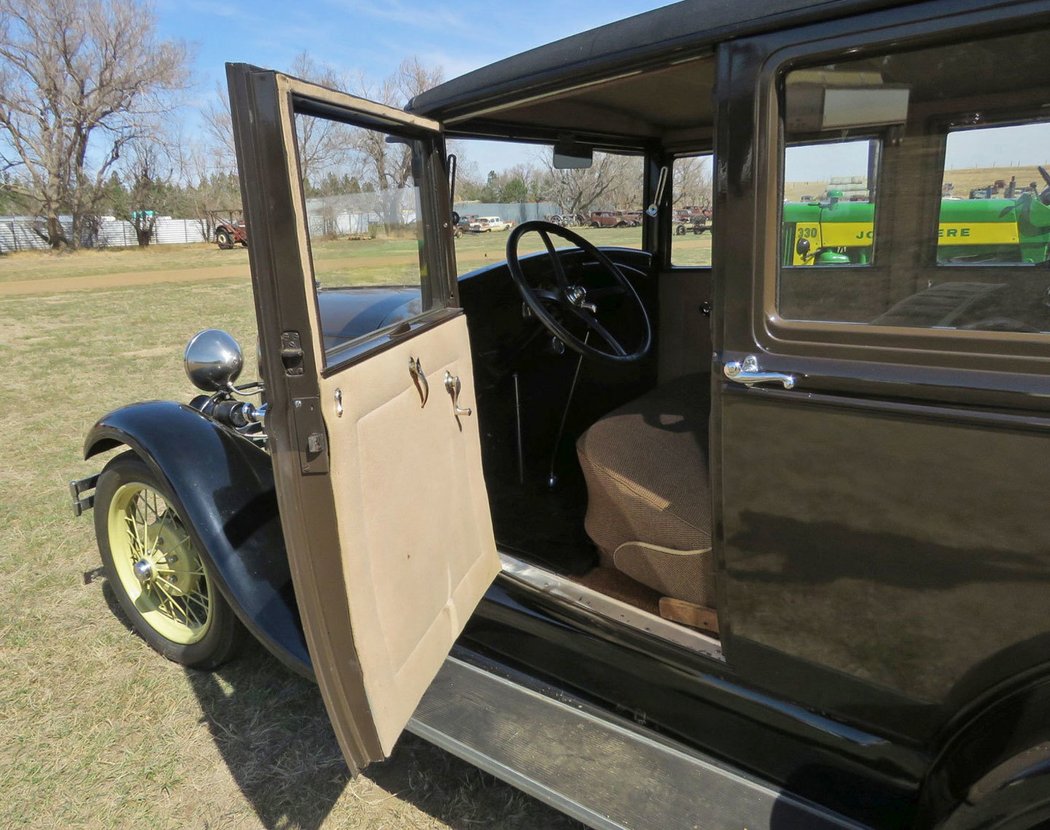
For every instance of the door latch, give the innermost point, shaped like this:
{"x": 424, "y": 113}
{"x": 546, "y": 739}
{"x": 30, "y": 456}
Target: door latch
{"x": 310, "y": 436}
{"x": 748, "y": 373}
{"x": 291, "y": 352}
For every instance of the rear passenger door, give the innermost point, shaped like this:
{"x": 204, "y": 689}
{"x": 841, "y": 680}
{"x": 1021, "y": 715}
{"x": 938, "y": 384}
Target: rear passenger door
{"x": 881, "y": 425}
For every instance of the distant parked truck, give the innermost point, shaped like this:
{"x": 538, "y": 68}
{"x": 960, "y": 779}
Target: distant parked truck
{"x": 489, "y": 223}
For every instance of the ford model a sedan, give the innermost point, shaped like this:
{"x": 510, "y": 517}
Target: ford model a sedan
{"x": 665, "y": 534}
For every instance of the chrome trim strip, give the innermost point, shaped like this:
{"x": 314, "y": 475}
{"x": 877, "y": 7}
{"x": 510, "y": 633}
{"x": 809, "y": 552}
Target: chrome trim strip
{"x": 564, "y": 588}
{"x": 594, "y": 766}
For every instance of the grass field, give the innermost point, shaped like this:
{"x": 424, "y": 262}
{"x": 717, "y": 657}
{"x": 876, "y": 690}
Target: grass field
{"x": 358, "y": 261}
{"x": 98, "y": 730}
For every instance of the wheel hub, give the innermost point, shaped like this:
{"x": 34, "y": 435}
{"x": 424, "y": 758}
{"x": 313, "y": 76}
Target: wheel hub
{"x": 143, "y": 571}
{"x": 577, "y": 295}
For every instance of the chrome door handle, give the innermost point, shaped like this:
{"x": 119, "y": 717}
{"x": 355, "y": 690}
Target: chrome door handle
{"x": 419, "y": 378}
{"x": 453, "y": 387}
{"x": 748, "y": 373}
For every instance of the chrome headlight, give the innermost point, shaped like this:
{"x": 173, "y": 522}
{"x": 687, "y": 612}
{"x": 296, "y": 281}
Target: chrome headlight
{"x": 213, "y": 360}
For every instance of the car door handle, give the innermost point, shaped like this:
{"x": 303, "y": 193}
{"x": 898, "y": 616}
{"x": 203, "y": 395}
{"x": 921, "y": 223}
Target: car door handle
{"x": 453, "y": 386}
{"x": 748, "y": 373}
{"x": 419, "y": 378}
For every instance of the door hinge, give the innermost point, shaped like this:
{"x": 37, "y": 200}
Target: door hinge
{"x": 310, "y": 436}
{"x": 292, "y": 352}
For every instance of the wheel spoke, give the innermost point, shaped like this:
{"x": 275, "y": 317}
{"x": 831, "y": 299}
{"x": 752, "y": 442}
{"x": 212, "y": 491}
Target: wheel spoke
{"x": 196, "y": 597}
{"x": 559, "y": 270}
{"x": 595, "y": 325}
{"x": 132, "y": 531}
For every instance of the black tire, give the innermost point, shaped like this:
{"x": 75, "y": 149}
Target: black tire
{"x": 210, "y": 642}
{"x": 224, "y": 239}
{"x": 679, "y": 230}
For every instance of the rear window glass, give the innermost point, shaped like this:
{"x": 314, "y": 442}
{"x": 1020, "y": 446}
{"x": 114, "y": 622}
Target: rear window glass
{"x": 692, "y": 204}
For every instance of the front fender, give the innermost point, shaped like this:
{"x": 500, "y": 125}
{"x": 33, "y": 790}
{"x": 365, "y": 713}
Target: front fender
{"x": 224, "y": 487}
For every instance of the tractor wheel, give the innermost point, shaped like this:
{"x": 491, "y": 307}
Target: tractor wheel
{"x": 224, "y": 239}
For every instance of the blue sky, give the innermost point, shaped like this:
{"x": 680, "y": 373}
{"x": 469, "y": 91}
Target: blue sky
{"x": 373, "y": 36}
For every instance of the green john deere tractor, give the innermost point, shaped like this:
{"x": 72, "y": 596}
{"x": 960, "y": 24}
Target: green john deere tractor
{"x": 971, "y": 231}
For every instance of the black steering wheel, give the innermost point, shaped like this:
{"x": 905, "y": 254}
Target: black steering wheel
{"x": 567, "y": 301}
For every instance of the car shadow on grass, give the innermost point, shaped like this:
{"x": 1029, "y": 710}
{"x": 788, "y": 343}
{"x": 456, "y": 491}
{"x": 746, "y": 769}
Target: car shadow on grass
{"x": 272, "y": 731}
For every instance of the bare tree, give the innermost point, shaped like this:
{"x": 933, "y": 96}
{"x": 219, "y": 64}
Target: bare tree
{"x": 148, "y": 187}
{"x": 213, "y": 193}
{"x": 323, "y": 144}
{"x": 79, "y": 79}
{"x": 383, "y": 165}
{"x": 217, "y": 153}
{"x": 691, "y": 182}
{"x": 611, "y": 181}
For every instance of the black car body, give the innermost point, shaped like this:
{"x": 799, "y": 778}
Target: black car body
{"x": 873, "y": 457}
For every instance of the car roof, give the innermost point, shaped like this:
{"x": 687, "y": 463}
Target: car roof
{"x": 681, "y": 29}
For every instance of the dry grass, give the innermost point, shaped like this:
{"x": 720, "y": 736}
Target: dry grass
{"x": 98, "y": 730}
{"x": 368, "y": 260}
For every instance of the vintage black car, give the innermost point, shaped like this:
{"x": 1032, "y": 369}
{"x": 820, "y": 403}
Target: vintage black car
{"x": 666, "y": 545}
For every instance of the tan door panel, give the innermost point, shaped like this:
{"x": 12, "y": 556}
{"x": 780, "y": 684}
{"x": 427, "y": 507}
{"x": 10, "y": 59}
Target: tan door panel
{"x": 414, "y": 528}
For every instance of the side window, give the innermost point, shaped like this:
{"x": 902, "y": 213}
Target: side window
{"x": 691, "y": 205}
{"x": 993, "y": 210}
{"x": 367, "y": 224}
{"x": 912, "y": 195}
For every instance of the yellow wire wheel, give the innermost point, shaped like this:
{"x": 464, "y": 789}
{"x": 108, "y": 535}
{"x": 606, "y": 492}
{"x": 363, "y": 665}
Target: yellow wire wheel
{"x": 158, "y": 565}
{"x": 156, "y": 569}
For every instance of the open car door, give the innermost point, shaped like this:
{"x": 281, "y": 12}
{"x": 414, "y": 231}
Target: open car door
{"x": 375, "y": 448}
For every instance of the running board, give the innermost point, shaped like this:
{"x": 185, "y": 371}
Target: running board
{"x": 604, "y": 771}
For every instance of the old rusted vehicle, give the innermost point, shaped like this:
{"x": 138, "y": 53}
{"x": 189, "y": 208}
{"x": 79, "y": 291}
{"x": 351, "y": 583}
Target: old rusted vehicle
{"x": 760, "y": 543}
{"x": 230, "y": 233}
{"x": 608, "y": 219}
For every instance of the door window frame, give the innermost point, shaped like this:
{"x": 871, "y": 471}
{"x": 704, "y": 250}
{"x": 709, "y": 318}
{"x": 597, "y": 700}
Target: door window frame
{"x": 439, "y": 286}
{"x": 873, "y": 34}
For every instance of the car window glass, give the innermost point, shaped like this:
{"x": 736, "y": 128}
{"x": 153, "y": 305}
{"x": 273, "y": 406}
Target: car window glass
{"x": 500, "y": 184}
{"x": 993, "y": 211}
{"x": 896, "y": 166}
{"x": 692, "y": 220}
{"x": 363, "y": 193}
{"x": 829, "y": 212}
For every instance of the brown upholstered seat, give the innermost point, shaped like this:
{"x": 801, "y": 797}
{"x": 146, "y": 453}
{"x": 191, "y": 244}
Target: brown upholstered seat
{"x": 649, "y": 500}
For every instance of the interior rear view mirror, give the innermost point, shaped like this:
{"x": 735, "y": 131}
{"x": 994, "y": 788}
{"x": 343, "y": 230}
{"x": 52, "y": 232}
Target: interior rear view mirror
{"x": 570, "y": 156}
{"x": 818, "y": 100}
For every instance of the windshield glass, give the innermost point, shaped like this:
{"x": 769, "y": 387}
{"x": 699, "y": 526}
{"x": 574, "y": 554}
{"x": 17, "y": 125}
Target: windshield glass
{"x": 501, "y": 184}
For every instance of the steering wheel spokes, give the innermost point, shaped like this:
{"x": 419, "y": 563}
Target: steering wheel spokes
{"x": 569, "y": 300}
